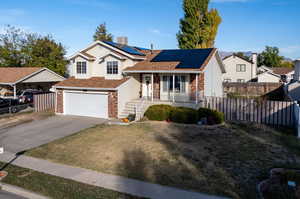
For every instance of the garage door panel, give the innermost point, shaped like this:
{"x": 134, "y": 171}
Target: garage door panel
{"x": 86, "y": 104}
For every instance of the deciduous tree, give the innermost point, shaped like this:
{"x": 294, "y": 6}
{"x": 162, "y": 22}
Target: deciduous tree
{"x": 198, "y": 27}
{"x": 270, "y": 57}
{"x": 19, "y": 49}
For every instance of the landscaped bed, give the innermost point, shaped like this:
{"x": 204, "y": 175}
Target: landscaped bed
{"x": 56, "y": 187}
{"x": 227, "y": 160}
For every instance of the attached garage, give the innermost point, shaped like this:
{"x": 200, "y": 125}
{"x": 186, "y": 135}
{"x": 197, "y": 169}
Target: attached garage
{"x": 94, "y": 97}
{"x": 90, "y": 104}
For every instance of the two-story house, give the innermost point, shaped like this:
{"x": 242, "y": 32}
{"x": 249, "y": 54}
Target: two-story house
{"x": 106, "y": 76}
{"x": 239, "y": 69}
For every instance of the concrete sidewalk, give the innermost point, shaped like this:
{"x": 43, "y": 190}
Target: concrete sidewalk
{"x": 116, "y": 183}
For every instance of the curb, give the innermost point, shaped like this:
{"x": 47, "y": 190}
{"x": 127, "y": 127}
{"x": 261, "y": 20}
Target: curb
{"x": 21, "y": 191}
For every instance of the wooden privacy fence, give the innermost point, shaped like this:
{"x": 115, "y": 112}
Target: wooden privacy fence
{"x": 44, "y": 102}
{"x": 279, "y": 113}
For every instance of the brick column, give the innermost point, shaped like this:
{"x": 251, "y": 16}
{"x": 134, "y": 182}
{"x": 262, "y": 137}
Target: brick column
{"x": 113, "y": 104}
{"x": 59, "y": 101}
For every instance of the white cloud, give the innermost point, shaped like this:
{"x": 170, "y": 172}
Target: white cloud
{"x": 92, "y": 3}
{"x": 290, "y": 49}
{"x": 159, "y": 33}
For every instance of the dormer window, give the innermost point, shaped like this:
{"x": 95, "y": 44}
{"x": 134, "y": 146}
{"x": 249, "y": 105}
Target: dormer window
{"x": 81, "y": 67}
{"x": 112, "y": 68}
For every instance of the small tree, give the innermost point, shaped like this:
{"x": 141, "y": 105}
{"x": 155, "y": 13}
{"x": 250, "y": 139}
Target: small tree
{"x": 270, "y": 57}
{"x": 287, "y": 64}
{"x": 101, "y": 34}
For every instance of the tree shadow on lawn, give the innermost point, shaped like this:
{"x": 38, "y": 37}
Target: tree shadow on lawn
{"x": 221, "y": 161}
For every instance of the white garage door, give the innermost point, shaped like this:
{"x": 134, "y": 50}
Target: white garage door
{"x": 86, "y": 104}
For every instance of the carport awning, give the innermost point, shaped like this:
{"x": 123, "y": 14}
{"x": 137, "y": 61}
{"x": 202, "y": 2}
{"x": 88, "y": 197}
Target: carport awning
{"x": 15, "y": 75}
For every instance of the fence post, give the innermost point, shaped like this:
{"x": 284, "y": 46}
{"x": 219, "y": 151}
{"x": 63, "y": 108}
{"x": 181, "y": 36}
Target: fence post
{"x": 297, "y": 118}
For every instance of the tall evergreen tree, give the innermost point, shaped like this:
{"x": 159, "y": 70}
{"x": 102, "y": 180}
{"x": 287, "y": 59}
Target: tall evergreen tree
{"x": 101, "y": 34}
{"x": 199, "y": 27}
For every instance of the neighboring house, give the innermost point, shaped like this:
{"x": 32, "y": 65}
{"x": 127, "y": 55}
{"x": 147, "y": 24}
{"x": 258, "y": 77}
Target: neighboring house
{"x": 13, "y": 79}
{"x": 239, "y": 69}
{"x": 276, "y": 74}
{"x": 293, "y": 88}
{"x": 106, "y": 76}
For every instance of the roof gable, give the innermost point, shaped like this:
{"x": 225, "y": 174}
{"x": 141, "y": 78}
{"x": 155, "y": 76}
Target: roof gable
{"x": 122, "y": 50}
{"x": 236, "y": 56}
{"x": 15, "y": 74}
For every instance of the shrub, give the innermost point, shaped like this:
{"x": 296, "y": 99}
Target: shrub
{"x": 213, "y": 116}
{"x": 159, "y": 112}
{"x": 184, "y": 115}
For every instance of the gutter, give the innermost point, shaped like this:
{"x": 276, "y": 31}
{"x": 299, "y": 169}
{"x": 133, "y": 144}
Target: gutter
{"x": 161, "y": 71}
{"x": 85, "y": 88}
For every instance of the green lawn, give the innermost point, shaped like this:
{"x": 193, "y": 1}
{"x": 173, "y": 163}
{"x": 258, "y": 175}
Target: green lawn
{"x": 56, "y": 187}
{"x": 226, "y": 160}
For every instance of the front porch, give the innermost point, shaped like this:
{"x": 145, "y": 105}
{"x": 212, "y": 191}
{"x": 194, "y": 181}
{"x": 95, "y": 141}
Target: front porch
{"x": 173, "y": 88}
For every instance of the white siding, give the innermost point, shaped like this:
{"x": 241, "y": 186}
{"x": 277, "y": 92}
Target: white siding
{"x": 267, "y": 77}
{"x": 231, "y": 72}
{"x": 213, "y": 83}
{"x": 44, "y": 76}
{"x": 72, "y": 68}
{"x": 97, "y": 68}
{"x": 128, "y": 91}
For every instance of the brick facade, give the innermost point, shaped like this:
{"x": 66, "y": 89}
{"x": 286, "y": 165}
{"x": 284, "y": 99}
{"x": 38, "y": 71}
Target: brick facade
{"x": 59, "y": 101}
{"x": 113, "y": 104}
{"x": 193, "y": 85}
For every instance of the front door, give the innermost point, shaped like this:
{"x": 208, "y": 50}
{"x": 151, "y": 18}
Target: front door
{"x": 147, "y": 86}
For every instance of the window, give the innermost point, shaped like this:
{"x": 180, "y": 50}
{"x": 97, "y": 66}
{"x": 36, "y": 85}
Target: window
{"x": 180, "y": 84}
{"x": 112, "y": 67}
{"x": 241, "y": 68}
{"x": 227, "y": 80}
{"x": 81, "y": 67}
{"x": 240, "y": 80}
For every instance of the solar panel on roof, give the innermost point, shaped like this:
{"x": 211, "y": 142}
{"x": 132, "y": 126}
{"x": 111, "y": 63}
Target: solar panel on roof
{"x": 125, "y": 48}
{"x": 193, "y": 58}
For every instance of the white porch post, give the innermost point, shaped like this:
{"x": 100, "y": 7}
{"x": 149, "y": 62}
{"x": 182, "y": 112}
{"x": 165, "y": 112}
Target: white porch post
{"x": 173, "y": 87}
{"x": 15, "y": 91}
{"x": 152, "y": 85}
{"x": 197, "y": 82}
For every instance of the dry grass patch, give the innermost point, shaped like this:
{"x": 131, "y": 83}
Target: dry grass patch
{"x": 225, "y": 160}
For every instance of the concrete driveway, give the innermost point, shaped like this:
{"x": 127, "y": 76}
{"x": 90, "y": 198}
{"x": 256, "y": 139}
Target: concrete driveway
{"x": 36, "y": 133}
{"x": 7, "y": 195}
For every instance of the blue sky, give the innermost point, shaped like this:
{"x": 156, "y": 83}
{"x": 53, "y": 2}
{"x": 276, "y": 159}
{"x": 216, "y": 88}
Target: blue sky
{"x": 248, "y": 25}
